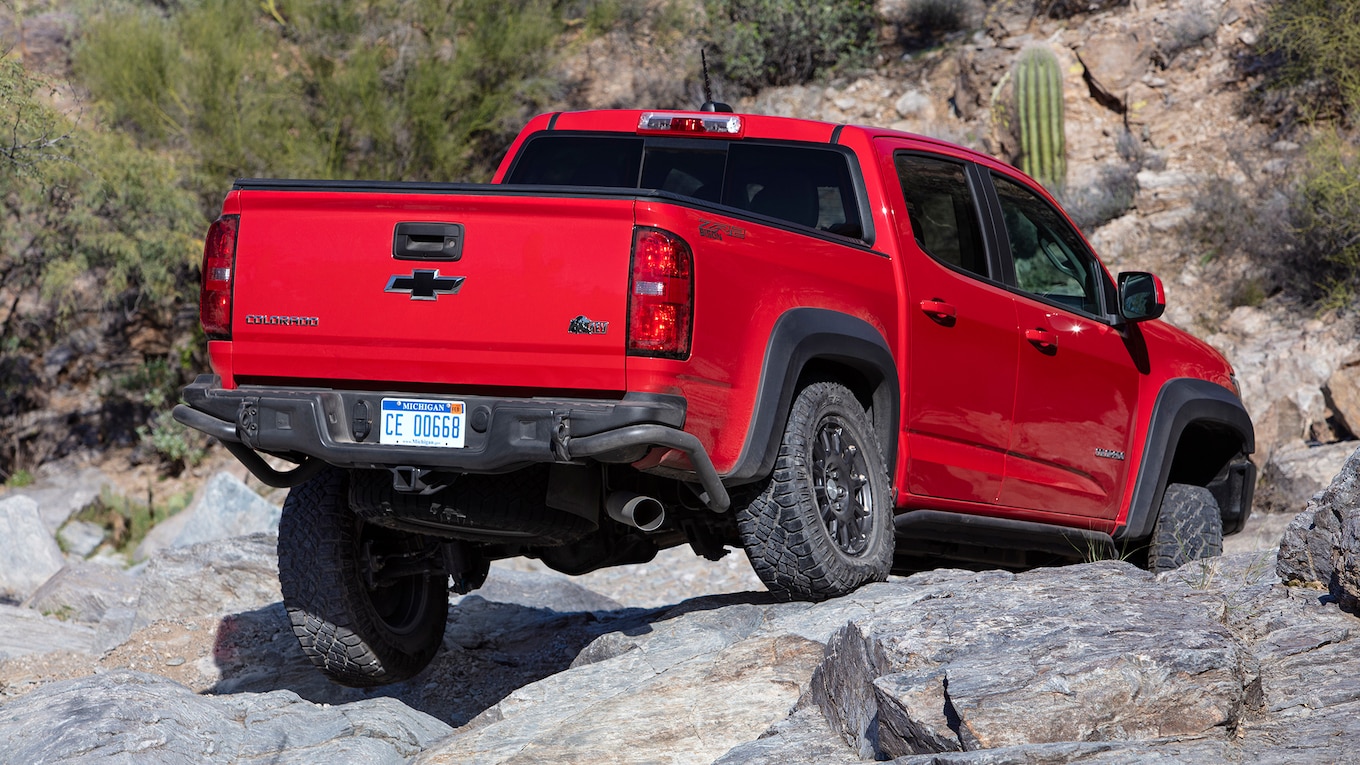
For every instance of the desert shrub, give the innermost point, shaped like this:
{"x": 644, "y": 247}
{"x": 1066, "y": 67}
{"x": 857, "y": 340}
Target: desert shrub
{"x": 921, "y": 23}
{"x": 176, "y": 445}
{"x": 1108, "y": 197}
{"x": 1316, "y": 41}
{"x": 34, "y": 136}
{"x": 1325, "y": 213}
{"x": 126, "y": 521}
{"x": 87, "y": 219}
{"x": 425, "y": 90}
{"x": 757, "y": 43}
{"x": 1233, "y": 218}
{"x": 1062, "y": 9}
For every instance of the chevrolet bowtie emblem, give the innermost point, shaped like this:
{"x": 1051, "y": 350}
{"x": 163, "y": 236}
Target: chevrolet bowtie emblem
{"x": 425, "y": 284}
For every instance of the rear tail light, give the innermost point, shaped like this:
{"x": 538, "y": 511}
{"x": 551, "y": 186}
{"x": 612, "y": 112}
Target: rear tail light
{"x": 219, "y": 263}
{"x": 660, "y": 295}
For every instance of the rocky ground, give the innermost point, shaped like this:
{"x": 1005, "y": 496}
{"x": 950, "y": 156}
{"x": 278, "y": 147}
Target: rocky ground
{"x": 188, "y": 658}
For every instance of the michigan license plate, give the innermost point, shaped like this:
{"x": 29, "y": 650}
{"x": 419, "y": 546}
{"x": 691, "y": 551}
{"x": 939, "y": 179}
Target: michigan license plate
{"x": 419, "y": 422}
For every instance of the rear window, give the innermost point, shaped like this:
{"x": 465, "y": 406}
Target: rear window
{"x": 811, "y": 186}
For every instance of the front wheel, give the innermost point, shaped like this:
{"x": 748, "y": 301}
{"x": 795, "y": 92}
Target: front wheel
{"x": 822, "y": 525}
{"x": 364, "y": 605}
{"x": 1188, "y": 527}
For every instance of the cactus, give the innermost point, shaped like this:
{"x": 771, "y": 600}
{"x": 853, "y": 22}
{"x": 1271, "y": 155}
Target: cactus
{"x": 1039, "y": 112}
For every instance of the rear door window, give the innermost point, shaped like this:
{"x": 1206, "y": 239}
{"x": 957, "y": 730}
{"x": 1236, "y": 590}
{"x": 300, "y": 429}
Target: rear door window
{"x": 943, "y": 217}
{"x": 609, "y": 161}
{"x": 808, "y": 186}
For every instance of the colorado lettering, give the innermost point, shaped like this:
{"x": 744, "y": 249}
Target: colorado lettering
{"x": 283, "y": 321}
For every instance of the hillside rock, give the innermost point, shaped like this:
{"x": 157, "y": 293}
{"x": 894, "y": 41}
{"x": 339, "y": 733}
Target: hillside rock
{"x": 225, "y": 507}
{"x": 62, "y": 490}
{"x": 1284, "y": 366}
{"x": 28, "y": 553}
{"x": 1322, "y": 544}
{"x": 210, "y": 578}
{"x": 84, "y": 592}
{"x": 1343, "y": 394}
{"x": 1298, "y": 471}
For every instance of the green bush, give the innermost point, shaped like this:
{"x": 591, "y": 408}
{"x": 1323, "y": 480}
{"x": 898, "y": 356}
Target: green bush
{"x": 424, "y": 90}
{"x": 87, "y": 219}
{"x": 176, "y": 444}
{"x": 126, "y": 521}
{"x": 1319, "y": 41}
{"x": 757, "y": 43}
{"x": 1325, "y": 212}
{"x": 922, "y": 23}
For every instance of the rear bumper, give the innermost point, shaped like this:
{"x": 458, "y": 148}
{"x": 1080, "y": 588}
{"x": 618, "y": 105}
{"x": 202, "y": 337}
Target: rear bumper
{"x": 339, "y": 427}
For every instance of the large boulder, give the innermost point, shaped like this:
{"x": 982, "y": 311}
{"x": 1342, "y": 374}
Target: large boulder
{"x": 210, "y": 578}
{"x": 1098, "y": 652}
{"x": 62, "y": 490}
{"x": 28, "y": 552}
{"x": 1322, "y": 544}
{"x": 224, "y": 508}
{"x": 1298, "y": 471}
{"x": 84, "y": 591}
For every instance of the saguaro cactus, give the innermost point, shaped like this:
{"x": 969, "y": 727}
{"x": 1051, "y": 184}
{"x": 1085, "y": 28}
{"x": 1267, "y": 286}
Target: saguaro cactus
{"x": 1039, "y": 114}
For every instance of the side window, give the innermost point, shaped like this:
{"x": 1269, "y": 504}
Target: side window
{"x": 1051, "y": 261}
{"x": 810, "y": 187}
{"x": 943, "y": 218}
{"x": 579, "y": 161}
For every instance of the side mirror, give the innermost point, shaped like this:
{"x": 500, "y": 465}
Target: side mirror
{"x": 1141, "y": 297}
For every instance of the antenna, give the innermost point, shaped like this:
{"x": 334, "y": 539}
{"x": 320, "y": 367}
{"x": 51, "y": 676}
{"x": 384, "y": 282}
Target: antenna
{"x": 709, "y": 104}
{"x": 708, "y": 86}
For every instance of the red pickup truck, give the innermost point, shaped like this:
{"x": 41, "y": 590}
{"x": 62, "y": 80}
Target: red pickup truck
{"x": 847, "y": 350}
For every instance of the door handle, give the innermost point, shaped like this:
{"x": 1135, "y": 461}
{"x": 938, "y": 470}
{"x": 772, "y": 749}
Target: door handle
{"x": 427, "y": 241}
{"x": 1045, "y": 340}
{"x": 939, "y": 310}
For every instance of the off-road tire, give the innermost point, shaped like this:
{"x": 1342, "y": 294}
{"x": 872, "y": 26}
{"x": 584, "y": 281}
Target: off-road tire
{"x": 358, "y": 635}
{"x": 477, "y": 508}
{"x": 822, "y": 525}
{"x": 1188, "y": 527}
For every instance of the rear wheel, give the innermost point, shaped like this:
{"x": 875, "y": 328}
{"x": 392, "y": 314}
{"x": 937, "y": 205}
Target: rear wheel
{"x": 367, "y": 604}
{"x": 1189, "y": 527}
{"x": 822, "y": 526}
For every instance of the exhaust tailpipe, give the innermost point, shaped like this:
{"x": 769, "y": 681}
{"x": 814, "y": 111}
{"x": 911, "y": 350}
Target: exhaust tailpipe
{"x": 635, "y": 510}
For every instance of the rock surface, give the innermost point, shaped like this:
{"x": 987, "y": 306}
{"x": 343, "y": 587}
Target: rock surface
{"x": 1113, "y": 655}
{"x": 1322, "y": 544}
{"x": 28, "y": 553}
{"x": 128, "y": 716}
{"x": 1096, "y": 662}
{"x": 63, "y": 490}
{"x": 225, "y": 507}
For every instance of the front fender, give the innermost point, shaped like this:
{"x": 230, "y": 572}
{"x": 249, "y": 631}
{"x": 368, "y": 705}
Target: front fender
{"x": 1183, "y": 404}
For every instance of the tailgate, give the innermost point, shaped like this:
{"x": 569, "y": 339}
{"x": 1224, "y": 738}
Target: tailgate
{"x": 320, "y": 295}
